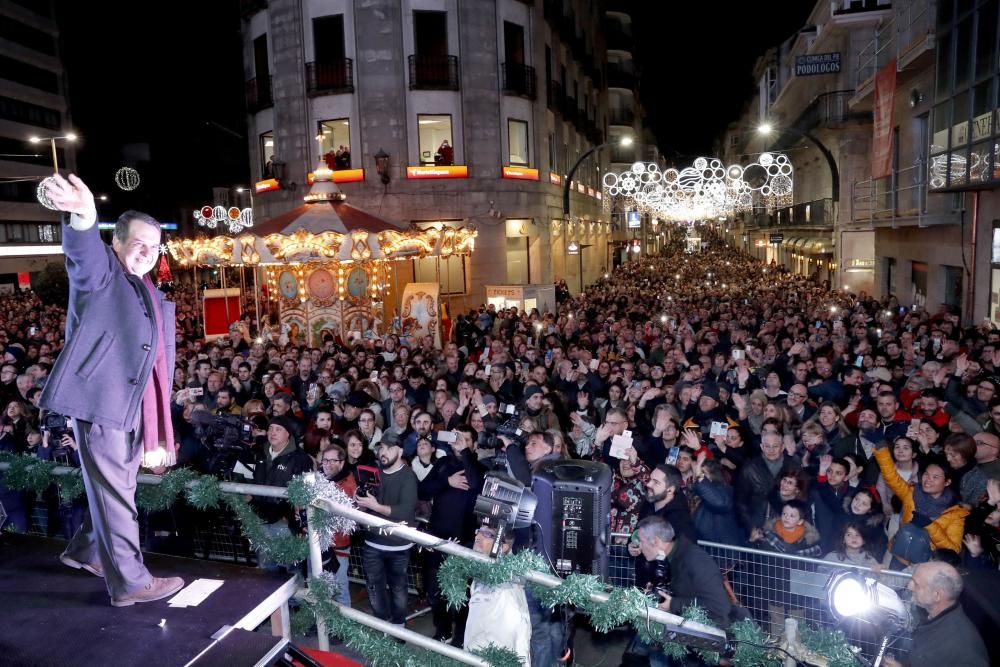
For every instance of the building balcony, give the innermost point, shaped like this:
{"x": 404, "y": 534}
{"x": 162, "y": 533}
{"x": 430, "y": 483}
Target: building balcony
{"x": 817, "y": 214}
{"x": 901, "y": 200}
{"x": 830, "y": 110}
{"x": 519, "y": 80}
{"x": 330, "y": 78}
{"x": 433, "y": 72}
{"x": 569, "y": 110}
{"x": 853, "y": 12}
{"x": 618, "y": 39}
{"x": 907, "y": 36}
{"x": 554, "y": 96}
{"x": 622, "y": 117}
{"x": 594, "y": 133}
{"x": 622, "y": 154}
{"x": 259, "y": 94}
{"x": 619, "y": 77}
{"x": 250, "y": 7}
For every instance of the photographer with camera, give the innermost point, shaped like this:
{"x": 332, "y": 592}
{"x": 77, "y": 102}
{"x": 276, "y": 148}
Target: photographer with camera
{"x": 682, "y": 573}
{"x": 58, "y": 445}
{"x": 276, "y": 465}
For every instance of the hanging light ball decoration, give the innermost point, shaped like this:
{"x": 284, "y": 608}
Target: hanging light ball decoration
{"x": 42, "y": 193}
{"x": 127, "y": 178}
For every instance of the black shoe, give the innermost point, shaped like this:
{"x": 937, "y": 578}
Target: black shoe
{"x": 442, "y": 637}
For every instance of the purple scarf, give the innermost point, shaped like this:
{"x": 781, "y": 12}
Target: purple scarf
{"x": 157, "y": 428}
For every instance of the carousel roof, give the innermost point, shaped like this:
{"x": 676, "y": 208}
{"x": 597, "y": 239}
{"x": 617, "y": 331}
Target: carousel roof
{"x": 322, "y": 217}
{"x": 324, "y": 229}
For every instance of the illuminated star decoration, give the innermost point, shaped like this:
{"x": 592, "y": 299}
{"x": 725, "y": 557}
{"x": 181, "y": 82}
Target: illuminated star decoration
{"x": 42, "y": 194}
{"x": 127, "y": 178}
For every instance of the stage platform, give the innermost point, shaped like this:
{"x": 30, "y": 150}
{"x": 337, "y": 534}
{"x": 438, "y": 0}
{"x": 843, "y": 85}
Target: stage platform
{"x": 54, "y": 615}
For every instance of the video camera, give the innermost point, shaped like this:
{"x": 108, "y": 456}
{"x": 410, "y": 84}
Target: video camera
{"x": 224, "y": 431}
{"x": 506, "y": 423}
{"x": 228, "y": 438}
{"x": 56, "y": 425}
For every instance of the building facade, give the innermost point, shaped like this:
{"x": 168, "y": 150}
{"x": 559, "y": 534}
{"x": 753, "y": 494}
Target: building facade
{"x": 33, "y": 103}
{"x": 915, "y": 178}
{"x": 477, "y": 108}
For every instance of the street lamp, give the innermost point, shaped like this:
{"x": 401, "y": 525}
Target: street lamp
{"x": 240, "y": 189}
{"x": 69, "y": 136}
{"x": 625, "y": 142}
{"x": 766, "y": 129}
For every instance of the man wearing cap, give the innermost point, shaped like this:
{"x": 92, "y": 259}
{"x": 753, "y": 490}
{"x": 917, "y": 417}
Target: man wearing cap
{"x": 276, "y": 465}
{"x": 384, "y": 556}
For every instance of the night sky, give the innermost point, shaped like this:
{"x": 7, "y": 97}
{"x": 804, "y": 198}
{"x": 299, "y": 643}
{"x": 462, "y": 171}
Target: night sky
{"x": 170, "y": 75}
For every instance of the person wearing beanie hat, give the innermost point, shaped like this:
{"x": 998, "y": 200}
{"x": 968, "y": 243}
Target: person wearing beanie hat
{"x": 276, "y": 465}
{"x": 534, "y": 407}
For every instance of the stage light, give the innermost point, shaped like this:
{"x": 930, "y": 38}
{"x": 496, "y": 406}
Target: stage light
{"x": 855, "y": 596}
{"x": 663, "y": 318}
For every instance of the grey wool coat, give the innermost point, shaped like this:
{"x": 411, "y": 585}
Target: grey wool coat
{"x": 101, "y": 374}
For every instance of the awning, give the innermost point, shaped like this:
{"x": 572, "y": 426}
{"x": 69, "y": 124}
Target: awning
{"x": 818, "y": 245}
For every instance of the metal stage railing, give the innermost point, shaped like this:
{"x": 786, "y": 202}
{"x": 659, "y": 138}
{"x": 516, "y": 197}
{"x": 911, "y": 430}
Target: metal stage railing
{"x": 671, "y": 622}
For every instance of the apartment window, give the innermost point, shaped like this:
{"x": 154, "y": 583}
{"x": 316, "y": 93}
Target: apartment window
{"x": 436, "y": 145}
{"x": 334, "y": 138}
{"x": 517, "y": 142}
{"x": 553, "y": 153}
{"x": 267, "y": 154}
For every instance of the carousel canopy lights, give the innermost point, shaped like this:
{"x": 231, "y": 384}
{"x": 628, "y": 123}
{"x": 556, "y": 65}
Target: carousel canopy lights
{"x": 705, "y": 190}
{"x": 323, "y": 188}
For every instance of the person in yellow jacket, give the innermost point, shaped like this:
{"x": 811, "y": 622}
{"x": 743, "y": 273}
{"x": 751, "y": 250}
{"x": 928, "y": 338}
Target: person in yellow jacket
{"x": 931, "y": 504}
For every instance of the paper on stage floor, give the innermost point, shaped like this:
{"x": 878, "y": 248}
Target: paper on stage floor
{"x": 243, "y": 470}
{"x": 195, "y": 593}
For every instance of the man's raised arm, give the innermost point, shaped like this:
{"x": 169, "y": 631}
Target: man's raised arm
{"x": 88, "y": 261}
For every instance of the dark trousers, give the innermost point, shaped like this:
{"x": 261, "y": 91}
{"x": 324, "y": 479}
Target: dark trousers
{"x": 385, "y": 578}
{"x": 548, "y": 636}
{"x": 110, "y": 531}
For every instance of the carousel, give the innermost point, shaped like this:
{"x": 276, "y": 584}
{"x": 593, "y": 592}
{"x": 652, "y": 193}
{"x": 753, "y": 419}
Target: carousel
{"x": 328, "y": 268}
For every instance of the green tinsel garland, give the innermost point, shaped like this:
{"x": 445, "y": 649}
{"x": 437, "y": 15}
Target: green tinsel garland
{"x": 377, "y": 648}
{"x": 629, "y": 605}
{"x": 162, "y": 496}
{"x": 751, "y": 646}
{"x": 70, "y": 487}
{"x": 26, "y": 473}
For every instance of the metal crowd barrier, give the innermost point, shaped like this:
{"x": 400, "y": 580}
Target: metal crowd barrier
{"x": 772, "y": 586}
{"x": 668, "y": 620}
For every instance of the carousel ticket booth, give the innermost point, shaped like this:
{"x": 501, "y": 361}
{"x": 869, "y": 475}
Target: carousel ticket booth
{"x": 522, "y": 297}
{"x": 328, "y": 268}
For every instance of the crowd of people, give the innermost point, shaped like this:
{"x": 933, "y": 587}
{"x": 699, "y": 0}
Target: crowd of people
{"x": 733, "y": 401}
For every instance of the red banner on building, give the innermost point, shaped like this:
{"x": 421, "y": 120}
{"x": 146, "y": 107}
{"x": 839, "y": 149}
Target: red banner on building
{"x": 885, "y": 99}
{"x": 24, "y": 280}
